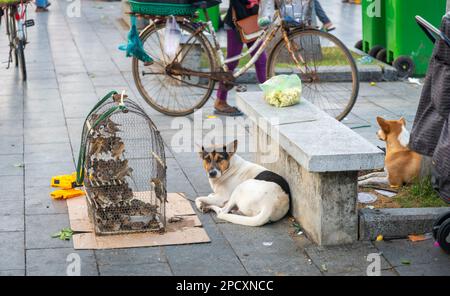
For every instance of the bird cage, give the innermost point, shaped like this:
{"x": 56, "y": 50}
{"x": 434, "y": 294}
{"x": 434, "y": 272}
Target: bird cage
{"x": 123, "y": 169}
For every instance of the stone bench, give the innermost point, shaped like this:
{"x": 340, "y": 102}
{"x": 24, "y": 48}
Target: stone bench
{"x": 319, "y": 157}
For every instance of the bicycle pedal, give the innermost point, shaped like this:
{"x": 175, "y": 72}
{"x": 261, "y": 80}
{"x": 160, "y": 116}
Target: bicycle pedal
{"x": 29, "y": 23}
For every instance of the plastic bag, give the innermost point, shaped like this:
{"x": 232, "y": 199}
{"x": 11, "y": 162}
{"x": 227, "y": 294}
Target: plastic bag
{"x": 134, "y": 47}
{"x": 266, "y": 12}
{"x": 282, "y": 90}
{"x": 172, "y": 37}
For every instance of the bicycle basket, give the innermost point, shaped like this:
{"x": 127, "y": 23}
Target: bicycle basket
{"x": 122, "y": 165}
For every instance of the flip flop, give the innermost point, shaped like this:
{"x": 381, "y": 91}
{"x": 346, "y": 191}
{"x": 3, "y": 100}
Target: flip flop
{"x": 235, "y": 112}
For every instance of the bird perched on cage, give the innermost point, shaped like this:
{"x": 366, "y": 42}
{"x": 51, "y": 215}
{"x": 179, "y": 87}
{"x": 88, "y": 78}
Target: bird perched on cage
{"x": 158, "y": 187}
{"x": 122, "y": 170}
{"x": 110, "y": 127}
{"x": 117, "y": 148}
{"x": 98, "y": 145}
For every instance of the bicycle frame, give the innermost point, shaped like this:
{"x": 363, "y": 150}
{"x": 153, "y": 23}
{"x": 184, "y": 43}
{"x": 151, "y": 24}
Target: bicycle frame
{"x": 262, "y": 41}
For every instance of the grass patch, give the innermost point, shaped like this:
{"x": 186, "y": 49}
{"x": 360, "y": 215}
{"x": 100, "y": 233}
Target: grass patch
{"x": 420, "y": 194}
{"x": 331, "y": 57}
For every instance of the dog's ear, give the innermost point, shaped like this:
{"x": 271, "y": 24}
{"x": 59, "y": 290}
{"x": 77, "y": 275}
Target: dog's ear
{"x": 383, "y": 124}
{"x": 403, "y": 121}
{"x": 202, "y": 153}
{"x": 231, "y": 148}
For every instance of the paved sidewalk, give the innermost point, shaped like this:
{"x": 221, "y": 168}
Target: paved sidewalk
{"x": 74, "y": 61}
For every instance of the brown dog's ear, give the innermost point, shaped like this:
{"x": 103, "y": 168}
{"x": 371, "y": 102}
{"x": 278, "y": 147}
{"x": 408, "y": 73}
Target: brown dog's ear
{"x": 231, "y": 148}
{"x": 403, "y": 121}
{"x": 383, "y": 124}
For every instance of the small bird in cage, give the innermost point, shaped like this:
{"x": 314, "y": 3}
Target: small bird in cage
{"x": 99, "y": 145}
{"x": 122, "y": 170}
{"x": 117, "y": 148}
{"x": 159, "y": 189}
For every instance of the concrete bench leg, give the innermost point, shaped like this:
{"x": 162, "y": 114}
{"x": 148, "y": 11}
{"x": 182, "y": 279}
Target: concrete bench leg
{"x": 323, "y": 203}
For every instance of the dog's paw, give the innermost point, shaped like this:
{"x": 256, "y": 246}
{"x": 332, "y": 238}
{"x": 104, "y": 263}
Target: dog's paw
{"x": 201, "y": 206}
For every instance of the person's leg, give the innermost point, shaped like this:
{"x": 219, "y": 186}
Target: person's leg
{"x": 323, "y": 17}
{"x": 260, "y": 64}
{"x": 234, "y": 47}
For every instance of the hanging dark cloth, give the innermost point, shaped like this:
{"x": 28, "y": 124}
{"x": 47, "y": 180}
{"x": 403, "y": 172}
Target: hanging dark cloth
{"x": 430, "y": 134}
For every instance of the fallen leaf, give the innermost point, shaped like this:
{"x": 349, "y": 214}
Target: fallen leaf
{"x": 418, "y": 237}
{"x": 406, "y": 262}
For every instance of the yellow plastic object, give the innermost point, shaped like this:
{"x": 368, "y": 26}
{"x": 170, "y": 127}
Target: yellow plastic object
{"x": 64, "y": 181}
{"x": 66, "y": 193}
{"x": 379, "y": 238}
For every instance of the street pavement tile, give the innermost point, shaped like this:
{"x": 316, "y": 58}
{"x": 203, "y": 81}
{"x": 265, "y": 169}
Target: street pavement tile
{"x": 56, "y": 262}
{"x": 48, "y": 153}
{"x": 154, "y": 269}
{"x": 12, "y": 252}
{"x": 38, "y": 201}
{"x": 12, "y": 272}
{"x": 12, "y": 188}
{"x": 433, "y": 269}
{"x": 148, "y": 255}
{"x": 11, "y": 207}
{"x": 12, "y": 222}
{"x": 11, "y": 165}
{"x": 40, "y": 228}
{"x": 413, "y": 253}
{"x": 177, "y": 181}
{"x": 40, "y": 174}
{"x": 45, "y": 135}
{"x": 346, "y": 259}
{"x": 11, "y": 145}
{"x": 215, "y": 258}
{"x": 268, "y": 250}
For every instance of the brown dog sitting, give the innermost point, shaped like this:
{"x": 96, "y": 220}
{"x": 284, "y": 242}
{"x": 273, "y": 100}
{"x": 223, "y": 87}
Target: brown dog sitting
{"x": 401, "y": 165}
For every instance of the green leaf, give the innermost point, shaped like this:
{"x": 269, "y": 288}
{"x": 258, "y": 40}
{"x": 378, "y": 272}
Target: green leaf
{"x": 406, "y": 262}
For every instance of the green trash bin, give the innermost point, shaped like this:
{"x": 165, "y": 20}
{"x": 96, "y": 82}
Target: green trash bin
{"x": 214, "y": 15}
{"x": 373, "y": 26}
{"x": 408, "y": 48}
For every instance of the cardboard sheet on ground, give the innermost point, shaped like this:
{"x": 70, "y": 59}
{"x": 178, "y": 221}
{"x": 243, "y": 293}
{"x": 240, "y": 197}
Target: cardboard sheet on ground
{"x": 188, "y": 231}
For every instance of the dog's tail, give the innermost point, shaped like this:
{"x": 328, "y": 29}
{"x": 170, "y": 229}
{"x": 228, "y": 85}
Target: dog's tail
{"x": 260, "y": 219}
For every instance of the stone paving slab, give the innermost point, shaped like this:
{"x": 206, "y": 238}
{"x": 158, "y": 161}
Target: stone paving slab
{"x": 40, "y": 228}
{"x": 12, "y": 255}
{"x": 53, "y": 262}
{"x": 345, "y": 260}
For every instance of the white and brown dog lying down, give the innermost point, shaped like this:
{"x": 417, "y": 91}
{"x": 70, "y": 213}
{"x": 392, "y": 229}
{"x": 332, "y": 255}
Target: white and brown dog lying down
{"x": 243, "y": 192}
{"x": 401, "y": 165}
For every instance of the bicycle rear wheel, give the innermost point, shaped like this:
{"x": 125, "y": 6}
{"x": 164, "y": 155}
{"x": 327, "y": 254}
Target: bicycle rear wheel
{"x": 174, "y": 95}
{"x": 12, "y": 32}
{"x": 326, "y": 67}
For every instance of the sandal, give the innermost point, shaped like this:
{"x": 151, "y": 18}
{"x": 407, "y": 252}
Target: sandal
{"x": 229, "y": 111}
{"x": 328, "y": 27}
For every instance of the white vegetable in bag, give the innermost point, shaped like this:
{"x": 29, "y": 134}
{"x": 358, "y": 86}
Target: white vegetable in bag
{"x": 282, "y": 90}
{"x": 266, "y": 12}
{"x": 172, "y": 37}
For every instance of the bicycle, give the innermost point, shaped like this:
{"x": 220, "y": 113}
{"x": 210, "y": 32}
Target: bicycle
{"x": 16, "y": 28}
{"x": 180, "y": 85}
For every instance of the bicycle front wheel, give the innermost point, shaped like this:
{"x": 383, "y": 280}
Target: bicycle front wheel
{"x": 324, "y": 64}
{"x": 169, "y": 94}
